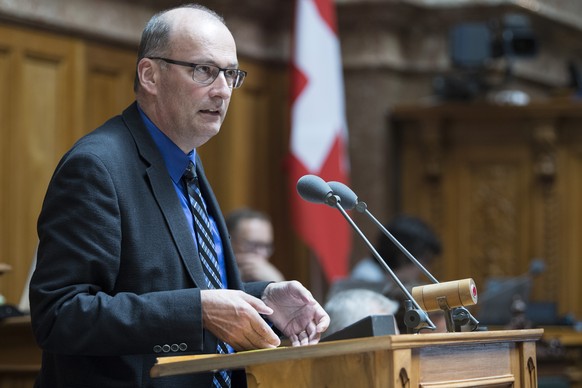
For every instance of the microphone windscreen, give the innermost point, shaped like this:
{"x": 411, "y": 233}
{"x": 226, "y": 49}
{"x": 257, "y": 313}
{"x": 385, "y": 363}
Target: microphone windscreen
{"x": 348, "y": 198}
{"x": 313, "y": 188}
{"x": 455, "y": 293}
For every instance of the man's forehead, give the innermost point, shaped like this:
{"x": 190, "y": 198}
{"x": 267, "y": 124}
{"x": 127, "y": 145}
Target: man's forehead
{"x": 210, "y": 41}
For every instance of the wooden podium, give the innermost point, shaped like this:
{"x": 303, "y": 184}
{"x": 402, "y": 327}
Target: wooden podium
{"x": 453, "y": 360}
{"x": 20, "y": 356}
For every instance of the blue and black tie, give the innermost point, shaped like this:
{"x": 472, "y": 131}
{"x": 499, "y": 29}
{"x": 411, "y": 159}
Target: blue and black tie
{"x": 207, "y": 253}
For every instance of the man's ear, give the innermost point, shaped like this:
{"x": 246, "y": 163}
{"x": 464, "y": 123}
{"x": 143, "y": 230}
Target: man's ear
{"x": 148, "y": 73}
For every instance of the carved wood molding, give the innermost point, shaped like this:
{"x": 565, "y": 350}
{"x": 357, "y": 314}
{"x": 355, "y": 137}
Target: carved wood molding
{"x": 431, "y": 139}
{"x": 545, "y": 144}
{"x": 494, "y": 199}
{"x": 545, "y": 138}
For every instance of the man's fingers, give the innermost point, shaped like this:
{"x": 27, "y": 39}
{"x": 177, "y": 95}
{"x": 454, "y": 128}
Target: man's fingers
{"x": 234, "y": 317}
{"x": 253, "y": 340}
{"x": 311, "y": 331}
{"x": 294, "y": 340}
{"x": 303, "y": 338}
{"x": 315, "y": 340}
{"x": 258, "y": 305}
{"x": 243, "y": 343}
{"x": 264, "y": 336}
{"x": 323, "y": 323}
{"x": 256, "y": 335}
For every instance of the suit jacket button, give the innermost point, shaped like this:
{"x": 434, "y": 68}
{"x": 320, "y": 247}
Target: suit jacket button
{"x": 157, "y": 349}
{"x": 174, "y": 347}
{"x": 166, "y": 348}
{"x": 183, "y": 346}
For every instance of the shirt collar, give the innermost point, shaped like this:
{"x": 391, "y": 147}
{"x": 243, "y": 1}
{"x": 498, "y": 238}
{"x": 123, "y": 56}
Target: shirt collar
{"x": 176, "y": 160}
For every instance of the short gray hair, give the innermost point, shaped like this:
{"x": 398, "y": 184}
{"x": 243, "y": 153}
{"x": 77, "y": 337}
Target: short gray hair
{"x": 155, "y": 38}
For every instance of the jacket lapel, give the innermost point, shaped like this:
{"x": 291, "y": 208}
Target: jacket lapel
{"x": 165, "y": 195}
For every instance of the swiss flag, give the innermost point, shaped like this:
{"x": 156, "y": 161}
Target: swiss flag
{"x": 319, "y": 131}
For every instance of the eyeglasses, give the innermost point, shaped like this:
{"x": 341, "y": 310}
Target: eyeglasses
{"x": 206, "y": 74}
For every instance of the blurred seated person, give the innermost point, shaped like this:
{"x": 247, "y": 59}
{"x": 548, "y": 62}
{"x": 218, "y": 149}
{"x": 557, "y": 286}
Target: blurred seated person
{"x": 251, "y": 236}
{"x": 349, "y": 306}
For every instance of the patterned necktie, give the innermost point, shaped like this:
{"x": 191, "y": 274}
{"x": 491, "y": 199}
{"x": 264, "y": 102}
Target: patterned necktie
{"x": 206, "y": 249}
{"x": 207, "y": 254}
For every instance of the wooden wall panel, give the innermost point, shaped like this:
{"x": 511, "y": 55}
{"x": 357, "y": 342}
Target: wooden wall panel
{"x": 501, "y": 186}
{"x": 491, "y": 213}
{"x": 5, "y": 119}
{"x": 44, "y": 107}
{"x": 109, "y": 85}
{"x": 570, "y": 189}
{"x": 55, "y": 90}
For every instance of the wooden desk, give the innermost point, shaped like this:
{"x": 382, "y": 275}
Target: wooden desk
{"x": 449, "y": 360}
{"x": 20, "y": 357}
{"x": 506, "y": 358}
{"x": 567, "y": 336}
{"x": 566, "y": 360}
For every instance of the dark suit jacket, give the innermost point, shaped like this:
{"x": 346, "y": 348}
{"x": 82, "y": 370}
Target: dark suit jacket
{"x": 118, "y": 277}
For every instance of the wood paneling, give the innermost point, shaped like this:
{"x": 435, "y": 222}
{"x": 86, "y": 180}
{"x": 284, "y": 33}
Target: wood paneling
{"x": 56, "y": 88}
{"x": 40, "y": 107}
{"x": 501, "y": 185}
{"x": 20, "y": 358}
{"x": 109, "y": 83}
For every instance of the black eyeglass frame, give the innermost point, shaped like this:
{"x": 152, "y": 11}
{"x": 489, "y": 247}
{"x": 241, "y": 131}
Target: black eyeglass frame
{"x": 237, "y": 81}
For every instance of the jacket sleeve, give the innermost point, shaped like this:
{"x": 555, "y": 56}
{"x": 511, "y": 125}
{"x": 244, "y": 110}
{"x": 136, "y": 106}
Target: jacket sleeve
{"x": 78, "y": 305}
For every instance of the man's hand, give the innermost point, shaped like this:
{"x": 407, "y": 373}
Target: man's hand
{"x": 233, "y": 316}
{"x": 295, "y": 312}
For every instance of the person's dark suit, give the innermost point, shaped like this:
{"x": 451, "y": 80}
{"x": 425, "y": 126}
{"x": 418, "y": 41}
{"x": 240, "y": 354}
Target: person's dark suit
{"x": 118, "y": 277}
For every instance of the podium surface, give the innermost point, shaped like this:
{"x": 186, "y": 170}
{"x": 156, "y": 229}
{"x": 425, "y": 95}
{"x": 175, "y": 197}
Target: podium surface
{"x": 504, "y": 358}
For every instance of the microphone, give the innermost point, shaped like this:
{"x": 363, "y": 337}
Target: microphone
{"x": 346, "y": 194}
{"x": 314, "y": 189}
{"x": 348, "y": 198}
{"x": 460, "y": 315}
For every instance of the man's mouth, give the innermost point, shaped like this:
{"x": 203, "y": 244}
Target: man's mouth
{"x": 210, "y": 111}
